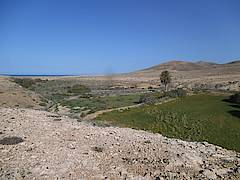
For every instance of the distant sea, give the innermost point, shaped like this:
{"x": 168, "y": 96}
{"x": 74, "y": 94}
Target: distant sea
{"x": 35, "y": 75}
{"x": 48, "y": 75}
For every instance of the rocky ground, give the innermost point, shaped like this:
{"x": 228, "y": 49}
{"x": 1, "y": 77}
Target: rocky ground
{"x": 13, "y": 95}
{"x": 40, "y": 145}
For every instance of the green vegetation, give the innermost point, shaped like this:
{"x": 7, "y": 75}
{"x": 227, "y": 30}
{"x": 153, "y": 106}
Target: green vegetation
{"x": 202, "y": 117}
{"x": 27, "y": 82}
{"x": 150, "y": 98}
{"x": 156, "y": 97}
{"x": 54, "y": 90}
{"x": 79, "y": 89}
{"x": 57, "y": 90}
{"x": 175, "y": 93}
{"x": 77, "y": 97}
{"x": 100, "y": 103}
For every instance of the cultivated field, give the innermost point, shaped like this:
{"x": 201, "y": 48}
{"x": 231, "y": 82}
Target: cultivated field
{"x": 202, "y": 117}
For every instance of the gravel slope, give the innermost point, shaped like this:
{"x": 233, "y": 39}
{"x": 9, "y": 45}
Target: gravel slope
{"x": 59, "y": 147}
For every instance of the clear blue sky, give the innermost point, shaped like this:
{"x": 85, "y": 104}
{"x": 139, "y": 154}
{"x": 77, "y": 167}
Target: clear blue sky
{"x": 110, "y": 36}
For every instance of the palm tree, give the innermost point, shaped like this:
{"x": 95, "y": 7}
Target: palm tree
{"x": 165, "y": 78}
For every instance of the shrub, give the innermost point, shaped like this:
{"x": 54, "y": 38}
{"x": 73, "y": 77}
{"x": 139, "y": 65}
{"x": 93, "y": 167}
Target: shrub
{"x": 147, "y": 98}
{"x": 235, "y": 98}
{"x": 25, "y": 82}
{"x": 176, "y": 93}
{"x": 38, "y": 80}
{"x": 28, "y": 82}
{"x": 150, "y": 98}
{"x": 79, "y": 89}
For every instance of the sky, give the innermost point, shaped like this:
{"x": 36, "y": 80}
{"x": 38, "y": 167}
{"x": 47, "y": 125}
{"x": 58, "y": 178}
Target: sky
{"x": 112, "y": 36}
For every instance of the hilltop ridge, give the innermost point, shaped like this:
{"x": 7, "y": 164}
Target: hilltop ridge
{"x": 180, "y": 65}
{"x": 190, "y": 73}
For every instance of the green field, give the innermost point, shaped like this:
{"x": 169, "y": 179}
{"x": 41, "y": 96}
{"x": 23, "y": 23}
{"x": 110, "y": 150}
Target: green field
{"x": 203, "y": 117}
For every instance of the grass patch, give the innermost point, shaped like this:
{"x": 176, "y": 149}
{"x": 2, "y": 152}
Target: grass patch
{"x": 202, "y": 117}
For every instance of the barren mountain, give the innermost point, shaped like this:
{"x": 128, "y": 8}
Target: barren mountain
{"x": 180, "y": 66}
{"x": 190, "y": 73}
{"x": 197, "y": 69}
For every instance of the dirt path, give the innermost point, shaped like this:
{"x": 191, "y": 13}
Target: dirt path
{"x": 92, "y": 116}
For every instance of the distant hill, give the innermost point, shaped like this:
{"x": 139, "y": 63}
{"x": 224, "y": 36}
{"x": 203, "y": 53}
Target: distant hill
{"x": 180, "y": 69}
{"x": 234, "y": 62}
{"x": 181, "y": 66}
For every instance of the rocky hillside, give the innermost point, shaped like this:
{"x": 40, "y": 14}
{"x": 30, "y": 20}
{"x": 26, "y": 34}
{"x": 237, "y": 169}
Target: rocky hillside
{"x": 13, "y": 95}
{"x": 201, "y": 67}
{"x": 41, "y": 145}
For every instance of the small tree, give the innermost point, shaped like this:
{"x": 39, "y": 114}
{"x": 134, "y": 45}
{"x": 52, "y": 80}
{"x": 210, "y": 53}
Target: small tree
{"x": 165, "y": 79}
